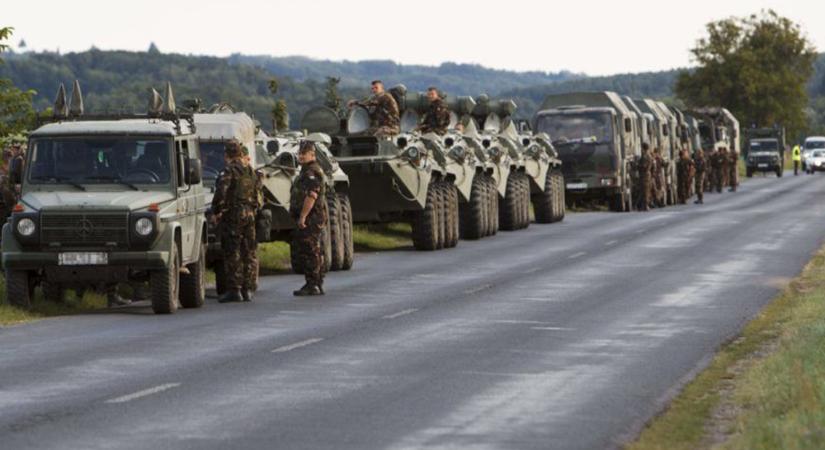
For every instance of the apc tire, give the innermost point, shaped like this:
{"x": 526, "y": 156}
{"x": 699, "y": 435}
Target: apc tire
{"x": 558, "y": 187}
{"x": 441, "y": 208}
{"x": 451, "y": 215}
{"x": 18, "y": 288}
{"x": 544, "y": 203}
{"x": 425, "y": 223}
{"x": 525, "y": 201}
{"x": 193, "y": 284}
{"x": 165, "y": 284}
{"x": 471, "y": 214}
{"x": 336, "y": 234}
{"x": 346, "y": 227}
{"x": 509, "y": 205}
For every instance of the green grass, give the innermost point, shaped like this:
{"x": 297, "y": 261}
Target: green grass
{"x": 10, "y": 315}
{"x": 273, "y": 257}
{"x": 763, "y": 390}
{"x": 381, "y": 237}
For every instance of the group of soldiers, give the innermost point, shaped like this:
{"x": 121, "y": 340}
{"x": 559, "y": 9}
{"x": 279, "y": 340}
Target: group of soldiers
{"x": 695, "y": 175}
{"x": 385, "y": 118}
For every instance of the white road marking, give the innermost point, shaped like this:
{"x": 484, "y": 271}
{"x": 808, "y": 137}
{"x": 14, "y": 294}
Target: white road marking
{"x": 613, "y": 242}
{"x": 522, "y": 322}
{"x": 577, "y": 255}
{"x": 297, "y": 345}
{"x": 551, "y": 329}
{"x": 360, "y": 305}
{"x": 290, "y": 312}
{"x": 478, "y": 289}
{"x": 143, "y": 393}
{"x": 401, "y": 313}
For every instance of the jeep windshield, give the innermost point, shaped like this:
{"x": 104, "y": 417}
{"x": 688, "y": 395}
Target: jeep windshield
{"x": 585, "y": 127}
{"x": 83, "y": 161}
{"x": 213, "y": 162}
{"x": 764, "y": 146}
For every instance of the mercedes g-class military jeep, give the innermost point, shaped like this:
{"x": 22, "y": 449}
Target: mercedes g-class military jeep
{"x": 106, "y": 200}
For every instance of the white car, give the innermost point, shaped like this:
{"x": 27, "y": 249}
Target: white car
{"x": 812, "y": 143}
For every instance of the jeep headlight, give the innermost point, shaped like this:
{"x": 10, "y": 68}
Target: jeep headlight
{"x": 26, "y": 227}
{"x": 144, "y": 226}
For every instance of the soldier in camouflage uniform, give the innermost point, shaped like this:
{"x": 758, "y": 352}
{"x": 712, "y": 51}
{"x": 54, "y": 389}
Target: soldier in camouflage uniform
{"x": 383, "y": 109}
{"x": 710, "y": 171}
{"x": 659, "y": 187}
{"x": 684, "y": 172}
{"x": 236, "y": 203}
{"x": 308, "y": 207}
{"x": 733, "y": 170}
{"x": 437, "y": 118}
{"x": 724, "y": 164}
{"x": 716, "y": 172}
{"x": 644, "y": 167}
{"x": 700, "y": 166}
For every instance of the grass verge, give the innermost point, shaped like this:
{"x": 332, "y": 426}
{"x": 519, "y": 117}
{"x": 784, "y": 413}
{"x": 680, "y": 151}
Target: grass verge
{"x": 763, "y": 390}
{"x": 381, "y": 237}
{"x": 10, "y": 315}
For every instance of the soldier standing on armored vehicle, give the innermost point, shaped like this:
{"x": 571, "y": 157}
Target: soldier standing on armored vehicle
{"x": 684, "y": 168}
{"x": 733, "y": 170}
{"x": 236, "y": 203}
{"x": 310, "y": 215}
{"x": 383, "y": 109}
{"x": 645, "y": 167}
{"x": 437, "y": 118}
{"x": 700, "y": 166}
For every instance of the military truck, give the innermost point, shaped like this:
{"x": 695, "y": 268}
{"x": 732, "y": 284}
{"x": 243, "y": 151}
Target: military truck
{"x": 764, "y": 150}
{"x": 393, "y": 178}
{"x": 718, "y": 128}
{"x": 664, "y": 124}
{"x": 597, "y": 141}
{"x": 109, "y": 199}
{"x": 275, "y": 160}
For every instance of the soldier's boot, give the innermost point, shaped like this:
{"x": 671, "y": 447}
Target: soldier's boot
{"x": 114, "y": 299}
{"x": 247, "y": 295}
{"x": 233, "y": 295}
{"x": 308, "y": 289}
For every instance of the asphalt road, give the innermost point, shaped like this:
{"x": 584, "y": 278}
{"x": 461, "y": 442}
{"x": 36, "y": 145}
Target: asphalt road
{"x": 564, "y": 336}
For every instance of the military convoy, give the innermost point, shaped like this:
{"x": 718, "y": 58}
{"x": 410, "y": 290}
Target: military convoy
{"x": 764, "y": 150}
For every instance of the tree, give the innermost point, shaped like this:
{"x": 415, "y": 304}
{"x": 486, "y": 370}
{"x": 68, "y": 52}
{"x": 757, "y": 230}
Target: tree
{"x": 756, "y": 66}
{"x": 280, "y": 114}
{"x": 333, "y": 100}
{"x": 153, "y": 49}
{"x": 16, "y": 110}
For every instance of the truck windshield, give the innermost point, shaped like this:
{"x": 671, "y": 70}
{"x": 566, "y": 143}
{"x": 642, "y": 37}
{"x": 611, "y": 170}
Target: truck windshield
{"x": 576, "y": 127}
{"x": 98, "y": 160}
{"x": 763, "y": 146}
{"x": 213, "y": 162}
{"x": 707, "y": 134}
{"x": 810, "y": 145}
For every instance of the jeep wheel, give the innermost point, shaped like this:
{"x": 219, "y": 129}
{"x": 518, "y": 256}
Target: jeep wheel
{"x": 18, "y": 288}
{"x": 346, "y": 227}
{"x": 471, "y": 214}
{"x": 193, "y": 284}
{"x": 52, "y": 292}
{"x": 425, "y": 223}
{"x": 336, "y": 234}
{"x": 164, "y": 285}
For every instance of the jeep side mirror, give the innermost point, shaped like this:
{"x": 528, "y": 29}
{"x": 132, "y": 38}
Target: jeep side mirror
{"x": 272, "y": 147}
{"x": 194, "y": 171}
{"x": 16, "y": 171}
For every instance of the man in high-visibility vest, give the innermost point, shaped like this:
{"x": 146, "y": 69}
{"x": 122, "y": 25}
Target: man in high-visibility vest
{"x": 796, "y": 154}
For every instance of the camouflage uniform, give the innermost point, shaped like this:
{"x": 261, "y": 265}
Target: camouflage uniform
{"x": 660, "y": 190}
{"x": 733, "y": 170}
{"x": 684, "y": 171}
{"x": 645, "y": 166}
{"x": 722, "y": 180}
{"x": 700, "y": 165}
{"x": 383, "y": 110}
{"x": 308, "y": 239}
{"x": 237, "y": 200}
{"x": 710, "y": 170}
{"x": 437, "y": 118}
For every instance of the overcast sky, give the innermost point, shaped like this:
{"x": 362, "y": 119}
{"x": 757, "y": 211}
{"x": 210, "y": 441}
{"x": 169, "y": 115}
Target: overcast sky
{"x": 595, "y": 37}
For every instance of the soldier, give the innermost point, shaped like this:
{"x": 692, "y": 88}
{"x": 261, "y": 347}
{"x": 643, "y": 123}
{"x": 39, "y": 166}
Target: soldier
{"x": 724, "y": 168}
{"x": 700, "y": 167}
{"x": 716, "y": 172}
{"x": 659, "y": 178}
{"x": 644, "y": 166}
{"x": 236, "y": 202}
{"x": 796, "y": 155}
{"x": 733, "y": 170}
{"x": 308, "y": 207}
{"x": 437, "y": 118}
{"x": 710, "y": 170}
{"x": 684, "y": 169}
{"x": 383, "y": 109}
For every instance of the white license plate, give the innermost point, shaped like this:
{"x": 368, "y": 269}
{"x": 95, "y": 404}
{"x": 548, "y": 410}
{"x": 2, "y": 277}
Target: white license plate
{"x": 83, "y": 259}
{"x": 762, "y": 165}
{"x": 576, "y": 185}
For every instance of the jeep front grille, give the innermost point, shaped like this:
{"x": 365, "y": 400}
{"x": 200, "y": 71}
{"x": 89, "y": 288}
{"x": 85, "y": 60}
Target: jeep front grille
{"x": 84, "y": 230}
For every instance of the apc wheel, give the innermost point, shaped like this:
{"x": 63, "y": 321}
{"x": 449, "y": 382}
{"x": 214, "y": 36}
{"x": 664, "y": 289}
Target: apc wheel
{"x": 509, "y": 206}
{"x": 193, "y": 284}
{"x": 544, "y": 203}
{"x": 471, "y": 214}
{"x": 336, "y": 234}
{"x": 164, "y": 285}
{"x": 525, "y": 201}
{"x": 441, "y": 208}
{"x": 220, "y": 277}
{"x": 19, "y": 290}
{"x": 425, "y": 223}
{"x": 487, "y": 212}
{"x": 52, "y": 292}
{"x": 558, "y": 187}
{"x": 492, "y": 207}
{"x": 451, "y": 215}
{"x": 326, "y": 242}
{"x": 346, "y": 227}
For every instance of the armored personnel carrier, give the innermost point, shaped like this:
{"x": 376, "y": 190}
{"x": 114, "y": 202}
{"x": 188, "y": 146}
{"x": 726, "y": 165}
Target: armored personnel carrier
{"x": 108, "y": 199}
{"x": 276, "y": 162}
{"x": 596, "y": 137}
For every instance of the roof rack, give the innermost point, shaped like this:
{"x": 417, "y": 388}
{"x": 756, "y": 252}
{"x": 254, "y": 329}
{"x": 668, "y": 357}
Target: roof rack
{"x": 158, "y": 109}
